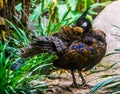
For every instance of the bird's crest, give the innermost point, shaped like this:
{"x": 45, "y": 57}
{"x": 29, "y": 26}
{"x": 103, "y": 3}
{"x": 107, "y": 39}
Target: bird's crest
{"x": 83, "y": 15}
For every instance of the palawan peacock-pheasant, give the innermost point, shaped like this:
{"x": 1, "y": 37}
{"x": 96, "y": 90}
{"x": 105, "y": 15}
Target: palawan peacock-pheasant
{"x": 78, "y": 47}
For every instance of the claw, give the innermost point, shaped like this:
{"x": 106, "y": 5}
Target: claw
{"x": 87, "y": 85}
{"x": 75, "y": 85}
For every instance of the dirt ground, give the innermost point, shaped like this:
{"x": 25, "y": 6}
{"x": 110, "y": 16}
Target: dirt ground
{"x": 60, "y": 83}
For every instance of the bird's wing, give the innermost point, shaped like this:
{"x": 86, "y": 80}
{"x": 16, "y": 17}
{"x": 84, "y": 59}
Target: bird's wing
{"x": 67, "y": 33}
{"x": 87, "y": 51}
{"x": 82, "y": 51}
{"x": 65, "y": 37}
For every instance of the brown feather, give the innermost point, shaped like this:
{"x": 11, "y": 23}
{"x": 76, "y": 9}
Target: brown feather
{"x": 77, "y": 48}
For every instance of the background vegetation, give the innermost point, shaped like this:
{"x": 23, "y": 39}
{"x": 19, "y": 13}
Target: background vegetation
{"x": 37, "y": 17}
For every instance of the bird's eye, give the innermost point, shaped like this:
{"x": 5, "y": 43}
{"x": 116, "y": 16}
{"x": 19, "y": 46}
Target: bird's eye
{"x": 84, "y": 24}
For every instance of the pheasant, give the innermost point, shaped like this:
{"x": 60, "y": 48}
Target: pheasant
{"x": 78, "y": 47}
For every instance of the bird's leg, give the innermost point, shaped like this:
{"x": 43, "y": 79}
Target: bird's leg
{"x": 74, "y": 84}
{"x": 83, "y": 80}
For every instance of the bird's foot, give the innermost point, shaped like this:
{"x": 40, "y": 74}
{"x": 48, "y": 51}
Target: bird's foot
{"x": 75, "y": 85}
{"x": 87, "y": 86}
{"x": 83, "y": 85}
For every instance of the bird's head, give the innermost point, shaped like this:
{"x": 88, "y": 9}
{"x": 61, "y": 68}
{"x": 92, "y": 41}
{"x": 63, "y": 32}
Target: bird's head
{"x": 83, "y": 22}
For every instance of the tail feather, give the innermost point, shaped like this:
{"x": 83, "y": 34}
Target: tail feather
{"x": 42, "y": 44}
{"x": 37, "y": 48}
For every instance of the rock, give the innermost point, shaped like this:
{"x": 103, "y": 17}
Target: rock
{"x": 104, "y": 21}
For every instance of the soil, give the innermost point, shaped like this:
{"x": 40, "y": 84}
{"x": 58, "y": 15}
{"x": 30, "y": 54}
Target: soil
{"x": 60, "y": 83}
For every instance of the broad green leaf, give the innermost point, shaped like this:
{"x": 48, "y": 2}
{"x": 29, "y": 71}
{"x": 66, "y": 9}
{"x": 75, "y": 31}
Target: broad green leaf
{"x": 36, "y": 13}
{"x": 62, "y": 9}
{"x": 73, "y": 4}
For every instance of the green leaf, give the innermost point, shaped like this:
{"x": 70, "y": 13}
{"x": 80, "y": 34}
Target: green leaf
{"x": 114, "y": 64}
{"x": 24, "y": 36}
{"x": 111, "y": 54}
{"x": 36, "y": 13}
{"x": 62, "y": 9}
{"x": 18, "y": 7}
{"x": 117, "y": 50}
{"x": 107, "y": 75}
{"x": 12, "y": 89}
{"x": 73, "y": 4}
{"x": 44, "y": 65}
{"x": 96, "y": 5}
{"x": 116, "y": 26}
{"x": 103, "y": 83}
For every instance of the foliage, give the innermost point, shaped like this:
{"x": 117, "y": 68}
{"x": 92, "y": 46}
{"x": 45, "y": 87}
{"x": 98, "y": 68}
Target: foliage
{"x": 60, "y": 13}
{"x": 19, "y": 37}
{"x": 48, "y": 16}
{"x": 51, "y": 16}
{"x": 17, "y": 80}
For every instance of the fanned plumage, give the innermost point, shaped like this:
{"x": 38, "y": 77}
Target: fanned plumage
{"x": 78, "y": 47}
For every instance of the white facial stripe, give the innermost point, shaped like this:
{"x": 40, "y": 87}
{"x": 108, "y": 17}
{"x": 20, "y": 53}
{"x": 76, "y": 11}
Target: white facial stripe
{"x": 84, "y": 24}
